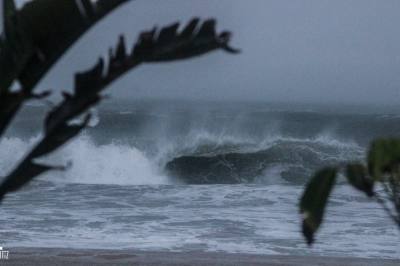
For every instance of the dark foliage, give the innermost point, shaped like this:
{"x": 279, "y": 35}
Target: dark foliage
{"x": 49, "y": 37}
{"x": 313, "y": 202}
{"x": 34, "y": 38}
{"x": 358, "y": 177}
{"x": 383, "y": 171}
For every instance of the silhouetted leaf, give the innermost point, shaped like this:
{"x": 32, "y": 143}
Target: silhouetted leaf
{"x": 53, "y": 26}
{"x": 27, "y": 170}
{"x": 314, "y": 200}
{"x": 58, "y": 137}
{"x": 21, "y": 176}
{"x": 383, "y": 157}
{"x": 34, "y": 38}
{"x": 170, "y": 45}
{"x": 15, "y": 47}
{"x": 358, "y": 177}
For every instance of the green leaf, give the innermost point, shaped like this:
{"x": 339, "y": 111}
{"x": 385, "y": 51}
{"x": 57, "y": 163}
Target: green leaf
{"x": 383, "y": 157}
{"x": 314, "y": 200}
{"x": 358, "y": 177}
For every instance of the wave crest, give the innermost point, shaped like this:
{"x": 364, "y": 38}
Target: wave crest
{"x": 196, "y": 159}
{"x": 233, "y": 161}
{"x": 91, "y": 164}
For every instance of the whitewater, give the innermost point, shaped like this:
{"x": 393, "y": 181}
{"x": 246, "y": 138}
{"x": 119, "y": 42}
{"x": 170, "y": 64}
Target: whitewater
{"x": 197, "y": 176}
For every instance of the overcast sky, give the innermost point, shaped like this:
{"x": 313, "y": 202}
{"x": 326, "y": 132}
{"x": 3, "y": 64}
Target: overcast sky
{"x": 297, "y": 51}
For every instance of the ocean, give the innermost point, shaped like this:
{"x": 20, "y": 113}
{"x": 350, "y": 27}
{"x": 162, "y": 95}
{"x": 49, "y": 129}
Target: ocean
{"x": 198, "y": 176}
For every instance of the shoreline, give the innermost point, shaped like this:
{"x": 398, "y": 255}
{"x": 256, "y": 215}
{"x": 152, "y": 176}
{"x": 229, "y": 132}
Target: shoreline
{"x": 77, "y": 257}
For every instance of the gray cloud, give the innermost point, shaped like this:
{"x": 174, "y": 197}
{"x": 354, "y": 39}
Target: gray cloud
{"x": 310, "y": 50}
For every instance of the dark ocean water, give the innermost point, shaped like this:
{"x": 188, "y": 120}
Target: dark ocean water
{"x": 199, "y": 176}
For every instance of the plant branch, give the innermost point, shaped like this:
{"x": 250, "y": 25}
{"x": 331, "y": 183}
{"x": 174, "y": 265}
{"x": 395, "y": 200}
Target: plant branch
{"x": 154, "y": 46}
{"x": 389, "y": 212}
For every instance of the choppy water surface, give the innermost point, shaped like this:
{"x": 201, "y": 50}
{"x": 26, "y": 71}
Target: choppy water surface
{"x": 161, "y": 176}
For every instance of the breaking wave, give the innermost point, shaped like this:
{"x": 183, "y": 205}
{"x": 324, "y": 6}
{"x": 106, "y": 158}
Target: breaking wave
{"x": 195, "y": 159}
{"x": 232, "y": 161}
{"x": 90, "y": 163}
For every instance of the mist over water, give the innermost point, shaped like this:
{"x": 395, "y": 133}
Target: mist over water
{"x": 164, "y": 143}
{"x": 132, "y": 181}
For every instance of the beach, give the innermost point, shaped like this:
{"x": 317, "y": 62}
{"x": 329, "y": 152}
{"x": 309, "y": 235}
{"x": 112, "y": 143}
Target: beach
{"x": 209, "y": 183}
{"x": 47, "y": 256}
{"x": 214, "y": 132}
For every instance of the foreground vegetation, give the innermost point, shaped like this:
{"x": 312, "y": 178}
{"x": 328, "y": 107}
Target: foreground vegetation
{"x": 378, "y": 178}
{"x": 38, "y": 34}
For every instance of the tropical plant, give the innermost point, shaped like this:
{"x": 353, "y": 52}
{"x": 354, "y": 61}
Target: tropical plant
{"x": 38, "y": 34}
{"x": 378, "y": 178}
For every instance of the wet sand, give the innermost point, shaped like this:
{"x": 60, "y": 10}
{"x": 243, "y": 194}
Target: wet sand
{"x": 77, "y": 257}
